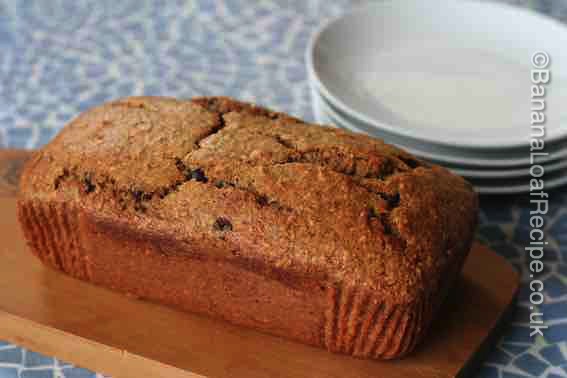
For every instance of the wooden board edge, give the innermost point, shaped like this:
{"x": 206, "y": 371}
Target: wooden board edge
{"x": 474, "y": 363}
{"x": 83, "y": 352}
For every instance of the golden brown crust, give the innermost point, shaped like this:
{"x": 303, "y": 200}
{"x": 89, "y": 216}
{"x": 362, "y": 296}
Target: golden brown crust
{"x": 370, "y": 232}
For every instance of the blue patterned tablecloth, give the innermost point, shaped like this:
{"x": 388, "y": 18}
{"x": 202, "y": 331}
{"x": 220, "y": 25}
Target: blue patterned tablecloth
{"x": 58, "y": 58}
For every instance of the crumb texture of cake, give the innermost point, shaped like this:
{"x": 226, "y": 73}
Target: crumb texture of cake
{"x": 232, "y": 210}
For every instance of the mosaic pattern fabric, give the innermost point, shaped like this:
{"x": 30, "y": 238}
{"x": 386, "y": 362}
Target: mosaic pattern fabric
{"x": 57, "y": 58}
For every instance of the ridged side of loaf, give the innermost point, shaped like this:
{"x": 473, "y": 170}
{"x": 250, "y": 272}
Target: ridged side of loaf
{"x": 344, "y": 320}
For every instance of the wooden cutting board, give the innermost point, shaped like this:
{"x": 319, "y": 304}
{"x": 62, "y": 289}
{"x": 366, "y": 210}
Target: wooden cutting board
{"x": 107, "y": 332}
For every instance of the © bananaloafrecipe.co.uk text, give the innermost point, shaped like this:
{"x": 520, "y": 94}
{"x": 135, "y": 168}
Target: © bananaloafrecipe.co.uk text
{"x": 539, "y": 201}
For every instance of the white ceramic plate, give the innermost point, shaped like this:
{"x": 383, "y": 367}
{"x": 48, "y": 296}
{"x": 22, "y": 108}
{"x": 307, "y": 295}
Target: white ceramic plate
{"x": 517, "y": 185}
{"x": 508, "y": 173}
{"x": 447, "y": 72}
{"x": 453, "y": 158}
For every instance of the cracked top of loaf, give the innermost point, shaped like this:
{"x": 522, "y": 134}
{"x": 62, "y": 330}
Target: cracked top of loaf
{"x": 234, "y": 181}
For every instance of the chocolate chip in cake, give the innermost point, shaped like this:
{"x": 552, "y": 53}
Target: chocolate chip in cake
{"x": 199, "y": 175}
{"x": 224, "y": 184}
{"x": 88, "y": 185}
{"x": 262, "y": 200}
{"x": 393, "y": 200}
{"x": 222, "y": 224}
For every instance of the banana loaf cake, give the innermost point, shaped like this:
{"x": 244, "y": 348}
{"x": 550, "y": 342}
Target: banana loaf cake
{"x": 228, "y": 209}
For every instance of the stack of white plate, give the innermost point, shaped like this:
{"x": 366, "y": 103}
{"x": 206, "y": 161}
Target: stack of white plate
{"x": 449, "y": 81}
